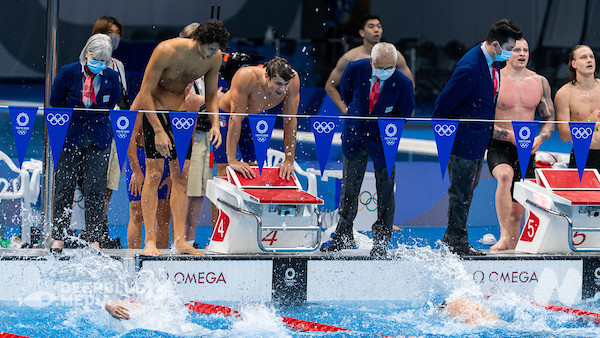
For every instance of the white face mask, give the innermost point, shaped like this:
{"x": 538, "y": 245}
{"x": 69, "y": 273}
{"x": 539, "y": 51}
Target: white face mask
{"x": 383, "y": 74}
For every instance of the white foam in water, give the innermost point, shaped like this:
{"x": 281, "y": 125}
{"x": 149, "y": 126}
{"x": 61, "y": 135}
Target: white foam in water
{"x": 258, "y": 320}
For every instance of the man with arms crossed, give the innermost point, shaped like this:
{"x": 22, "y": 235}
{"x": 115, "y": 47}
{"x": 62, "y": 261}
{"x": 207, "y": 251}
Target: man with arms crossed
{"x": 174, "y": 64}
{"x": 371, "y": 32}
{"x": 471, "y": 94}
{"x": 254, "y": 90}
{"x": 521, "y": 93}
{"x": 579, "y": 100}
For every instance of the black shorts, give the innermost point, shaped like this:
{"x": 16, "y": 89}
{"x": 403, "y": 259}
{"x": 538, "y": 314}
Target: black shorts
{"x": 150, "y": 146}
{"x": 593, "y": 160}
{"x": 503, "y": 152}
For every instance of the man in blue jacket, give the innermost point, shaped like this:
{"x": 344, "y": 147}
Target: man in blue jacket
{"x": 370, "y": 88}
{"x": 471, "y": 93}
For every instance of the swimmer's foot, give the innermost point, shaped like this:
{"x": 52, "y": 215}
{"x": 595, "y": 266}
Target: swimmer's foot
{"x": 150, "y": 249}
{"x": 183, "y": 247}
{"x": 504, "y": 244}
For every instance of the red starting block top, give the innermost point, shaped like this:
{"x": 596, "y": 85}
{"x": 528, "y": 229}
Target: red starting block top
{"x": 565, "y": 183}
{"x": 283, "y": 196}
{"x": 269, "y": 188}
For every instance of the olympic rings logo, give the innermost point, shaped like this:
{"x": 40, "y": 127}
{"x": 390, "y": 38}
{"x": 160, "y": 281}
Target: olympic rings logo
{"x": 367, "y": 202}
{"x": 323, "y": 127}
{"x": 22, "y": 119}
{"x": 524, "y": 133}
{"x": 57, "y": 119}
{"x": 581, "y": 133}
{"x": 262, "y": 127}
{"x": 391, "y": 130}
{"x": 122, "y": 123}
{"x": 261, "y": 139}
{"x": 183, "y": 123}
{"x": 445, "y": 129}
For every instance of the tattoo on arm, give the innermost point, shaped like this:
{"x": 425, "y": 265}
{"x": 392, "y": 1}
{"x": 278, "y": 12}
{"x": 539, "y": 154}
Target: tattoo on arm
{"x": 500, "y": 134}
{"x": 546, "y": 110}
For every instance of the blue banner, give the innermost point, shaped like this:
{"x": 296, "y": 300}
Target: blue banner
{"x": 581, "y": 135}
{"x": 390, "y": 130}
{"x": 445, "y": 133}
{"x": 57, "y": 124}
{"x": 122, "y": 122}
{"x": 22, "y": 120}
{"x": 182, "y": 125}
{"x": 262, "y": 127}
{"x": 323, "y": 128}
{"x": 524, "y": 135}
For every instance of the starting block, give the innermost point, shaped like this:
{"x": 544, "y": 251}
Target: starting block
{"x": 263, "y": 214}
{"x": 563, "y": 214}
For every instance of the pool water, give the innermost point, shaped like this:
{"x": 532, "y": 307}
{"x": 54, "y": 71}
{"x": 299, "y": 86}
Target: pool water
{"x": 159, "y": 310}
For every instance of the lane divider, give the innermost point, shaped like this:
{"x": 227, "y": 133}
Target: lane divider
{"x": 293, "y": 323}
{"x": 595, "y": 317}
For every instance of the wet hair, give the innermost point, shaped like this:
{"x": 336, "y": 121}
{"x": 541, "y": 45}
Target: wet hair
{"x": 503, "y": 30}
{"x": 187, "y": 31}
{"x": 99, "y": 47}
{"x": 382, "y": 49}
{"x": 211, "y": 31}
{"x": 103, "y": 25}
{"x": 367, "y": 17}
{"x": 572, "y": 71}
{"x": 279, "y": 67}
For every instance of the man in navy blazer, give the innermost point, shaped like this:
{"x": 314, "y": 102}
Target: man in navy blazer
{"x": 361, "y": 140}
{"x": 84, "y": 157}
{"x": 471, "y": 93}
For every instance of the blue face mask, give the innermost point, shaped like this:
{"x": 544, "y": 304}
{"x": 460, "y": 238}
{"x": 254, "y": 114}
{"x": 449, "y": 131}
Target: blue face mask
{"x": 383, "y": 74}
{"x": 96, "y": 66}
{"x": 505, "y": 55}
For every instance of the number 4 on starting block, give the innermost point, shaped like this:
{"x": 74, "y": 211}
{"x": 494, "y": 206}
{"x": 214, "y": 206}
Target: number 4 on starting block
{"x": 221, "y": 228}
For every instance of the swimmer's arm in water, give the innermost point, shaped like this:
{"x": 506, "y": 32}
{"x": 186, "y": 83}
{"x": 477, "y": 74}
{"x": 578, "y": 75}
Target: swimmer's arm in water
{"x": 334, "y": 81}
{"x": 211, "y": 79}
{"x": 159, "y": 61}
{"x": 470, "y": 312}
{"x": 241, "y": 84}
{"x": 546, "y": 110}
{"x": 290, "y": 124}
{"x": 563, "y": 112}
{"x": 403, "y": 67}
{"x": 117, "y": 309}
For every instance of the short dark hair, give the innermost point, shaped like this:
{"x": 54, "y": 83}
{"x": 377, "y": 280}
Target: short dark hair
{"x": 367, "y": 17}
{"x": 279, "y": 66}
{"x": 502, "y": 30}
{"x": 211, "y": 31}
{"x": 103, "y": 24}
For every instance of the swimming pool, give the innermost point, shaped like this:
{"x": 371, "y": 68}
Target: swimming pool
{"x": 160, "y": 309}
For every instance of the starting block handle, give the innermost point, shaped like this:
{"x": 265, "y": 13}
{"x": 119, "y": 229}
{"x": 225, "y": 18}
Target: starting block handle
{"x": 570, "y": 222}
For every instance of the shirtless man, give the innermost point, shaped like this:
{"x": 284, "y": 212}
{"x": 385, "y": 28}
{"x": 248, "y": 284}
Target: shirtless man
{"x": 174, "y": 64}
{"x": 579, "y": 100}
{"x": 371, "y": 32}
{"x": 522, "y": 92}
{"x": 253, "y": 90}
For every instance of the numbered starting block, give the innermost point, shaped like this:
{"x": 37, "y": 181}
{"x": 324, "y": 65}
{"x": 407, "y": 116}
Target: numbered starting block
{"x": 263, "y": 214}
{"x": 563, "y": 214}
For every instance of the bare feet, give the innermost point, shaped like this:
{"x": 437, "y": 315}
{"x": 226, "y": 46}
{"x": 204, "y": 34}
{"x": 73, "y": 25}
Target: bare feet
{"x": 150, "y": 249}
{"x": 95, "y": 245}
{"x": 58, "y": 244}
{"x": 183, "y": 247}
{"x": 504, "y": 244}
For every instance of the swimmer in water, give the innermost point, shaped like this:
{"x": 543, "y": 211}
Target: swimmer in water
{"x": 117, "y": 309}
{"x": 469, "y": 312}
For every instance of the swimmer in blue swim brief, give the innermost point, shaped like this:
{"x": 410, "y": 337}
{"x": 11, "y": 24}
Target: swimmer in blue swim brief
{"x": 254, "y": 90}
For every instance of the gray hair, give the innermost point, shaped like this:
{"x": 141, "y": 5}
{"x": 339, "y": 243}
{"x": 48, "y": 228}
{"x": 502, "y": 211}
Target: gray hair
{"x": 384, "y": 49}
{"x": 99, "y": 47}
{"x": 187, "y": 31}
